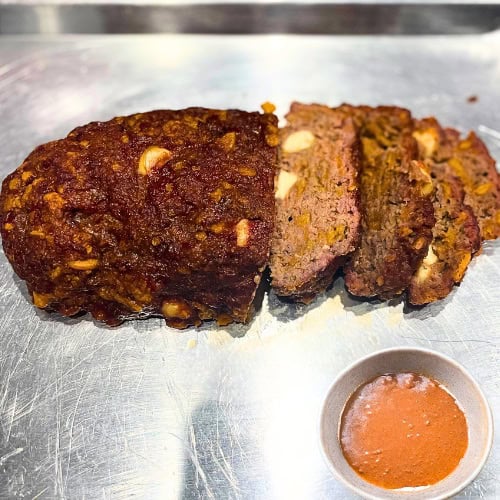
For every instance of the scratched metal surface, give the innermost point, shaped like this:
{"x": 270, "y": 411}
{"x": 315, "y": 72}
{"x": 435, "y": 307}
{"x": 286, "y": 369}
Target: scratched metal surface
{"x": 139, "y": 411}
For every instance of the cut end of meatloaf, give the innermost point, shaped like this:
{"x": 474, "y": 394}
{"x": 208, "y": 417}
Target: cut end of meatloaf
{"x": 318, "y": 217}
{"x": 474, "y": 166}
{"x": 164, "y": 213}
{"x": 397, "y": 211}
{"x": 456, "y": 235}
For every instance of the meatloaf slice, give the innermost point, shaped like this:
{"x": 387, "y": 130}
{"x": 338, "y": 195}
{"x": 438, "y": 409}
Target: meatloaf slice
{"x": 456, "y": 235}
{"x": 474, "y": 166}
{"x": 162, "y": 213}
{"x": 397, "y": 211}
{"x": 317, "y": 208}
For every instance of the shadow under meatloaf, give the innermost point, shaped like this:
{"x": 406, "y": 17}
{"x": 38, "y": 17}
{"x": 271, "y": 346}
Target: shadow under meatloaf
{"x": 396, "y": 205}
{"x": 456, "y": 234}
{"x": 317, "y": 201}
{"x": 162, "y": 213}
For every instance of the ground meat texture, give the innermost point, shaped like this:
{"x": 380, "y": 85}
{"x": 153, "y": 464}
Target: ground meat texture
{"x": 318, "y": 217}
{"x": 471, "y": 162}
{"x": 456, "y": 234}
{"x": 162, "y": 213}
{"x": 397, "y": 211}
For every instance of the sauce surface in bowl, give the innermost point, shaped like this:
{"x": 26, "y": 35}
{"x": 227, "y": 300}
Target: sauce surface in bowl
{"x": 403, "y": 430}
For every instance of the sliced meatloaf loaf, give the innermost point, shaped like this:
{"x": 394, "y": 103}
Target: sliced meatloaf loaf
{"x": 397, "y": 211}
{"x": 318, "y": 218}
{"x": 162, "y": 213}
{"x": 474, "y": 166}
{"x": 456, "y": 234}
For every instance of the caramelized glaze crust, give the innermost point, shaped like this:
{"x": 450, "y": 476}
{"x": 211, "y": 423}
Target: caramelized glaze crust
{"x": 161, "y": 213}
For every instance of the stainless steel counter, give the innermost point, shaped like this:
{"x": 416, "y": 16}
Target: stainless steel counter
{"x": 142, "y": 411}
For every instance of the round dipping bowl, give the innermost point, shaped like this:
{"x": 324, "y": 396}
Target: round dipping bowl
{"x": 434, "y": 365}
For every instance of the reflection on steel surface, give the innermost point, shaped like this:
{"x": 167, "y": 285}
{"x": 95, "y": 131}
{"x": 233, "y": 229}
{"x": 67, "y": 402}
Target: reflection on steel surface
{"x": 142, "y": 410}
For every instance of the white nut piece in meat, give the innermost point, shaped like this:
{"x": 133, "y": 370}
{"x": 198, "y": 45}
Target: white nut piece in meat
{"x": 153, "y": 157}
{"x": 242, "y": 232}
{"x": 285, "y": 182}
{"x": 175, "y": 309}
{"x": 83, "y": 265}
{"x": 426, "y": 174}
{"x": 428, "y": 187}
{"x": 41, "y": 300}
{"x": 427, "y": 140}
{"x": 425, "y": 268}
{"x": 298, "y": 141}
{"x": 431, "y": 257}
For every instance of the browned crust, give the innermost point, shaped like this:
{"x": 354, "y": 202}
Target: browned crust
{"x": 456, "y": 234}
{"x": 318, "y": 221}
{"x": 139, "y": 216}
{"x": 397, "y": 211}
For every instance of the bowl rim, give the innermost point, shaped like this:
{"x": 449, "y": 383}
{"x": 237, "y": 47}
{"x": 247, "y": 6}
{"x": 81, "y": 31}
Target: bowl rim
{"x": 424, "y": 351}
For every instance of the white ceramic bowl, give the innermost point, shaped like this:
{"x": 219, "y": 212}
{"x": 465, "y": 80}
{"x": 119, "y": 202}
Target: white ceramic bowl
{"x": 433, "y": 364}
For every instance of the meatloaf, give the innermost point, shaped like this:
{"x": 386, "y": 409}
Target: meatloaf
{"x": 318, "y": 218}
{"x": 456, "y": 234}
{"x": 471, "y": 162}
{"x": 162, "y": 213}
{"x": 397, "y": 210}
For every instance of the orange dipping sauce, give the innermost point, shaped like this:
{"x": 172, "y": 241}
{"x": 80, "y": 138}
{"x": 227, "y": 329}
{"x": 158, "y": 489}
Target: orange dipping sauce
{"x": 403, "y": 430}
